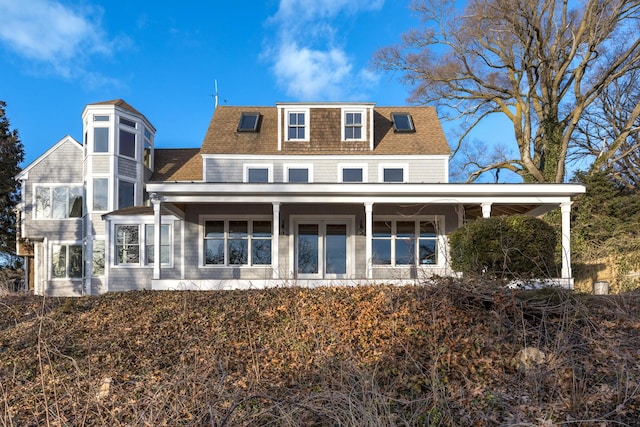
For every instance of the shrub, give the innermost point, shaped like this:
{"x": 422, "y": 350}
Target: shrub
{"x": 506, "y": 246}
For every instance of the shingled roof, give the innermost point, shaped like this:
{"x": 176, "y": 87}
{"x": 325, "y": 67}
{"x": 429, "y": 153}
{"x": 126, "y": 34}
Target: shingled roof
{"x": 223, "y": 138}
{"x": 177, "y": 164}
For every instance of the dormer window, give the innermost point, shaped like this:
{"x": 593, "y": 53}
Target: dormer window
{"x": 402, "y": 122}
{"x": 297, "y": 125}
{"x": 249, "y": 122}
{"x": 352, "y": 125}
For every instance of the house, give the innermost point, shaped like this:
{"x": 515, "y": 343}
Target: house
{"x": 296, "y": 193}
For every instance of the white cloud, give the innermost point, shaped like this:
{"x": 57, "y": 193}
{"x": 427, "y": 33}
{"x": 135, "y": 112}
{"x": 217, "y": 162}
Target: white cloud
{"x": 52, "y": 35}
{"x": 312, "y": 74}
{"x": 307, "y": 61}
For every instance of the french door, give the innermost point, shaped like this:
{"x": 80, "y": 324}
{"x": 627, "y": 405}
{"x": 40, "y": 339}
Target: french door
{"x": 321, "y": 249}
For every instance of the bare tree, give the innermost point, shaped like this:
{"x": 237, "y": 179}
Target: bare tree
{"x": 609, "y": 135}
{"x": 541, "y": 63}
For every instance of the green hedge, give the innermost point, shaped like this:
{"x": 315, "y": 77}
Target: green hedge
{"x": 514, "y": 246}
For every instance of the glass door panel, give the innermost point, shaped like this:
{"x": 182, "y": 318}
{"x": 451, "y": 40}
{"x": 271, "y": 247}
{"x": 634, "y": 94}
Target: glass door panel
{"x": 336, "y": 249}
{"x": 308, "y": 249}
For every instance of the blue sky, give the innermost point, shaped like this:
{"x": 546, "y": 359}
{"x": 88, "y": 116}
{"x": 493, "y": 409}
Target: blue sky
{"x": 163, "y": 58}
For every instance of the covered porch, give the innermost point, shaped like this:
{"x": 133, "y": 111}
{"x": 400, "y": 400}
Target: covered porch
{"x": 322, "y": 234}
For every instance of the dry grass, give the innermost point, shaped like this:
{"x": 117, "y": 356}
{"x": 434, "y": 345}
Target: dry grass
{"x": 364, "y": 356}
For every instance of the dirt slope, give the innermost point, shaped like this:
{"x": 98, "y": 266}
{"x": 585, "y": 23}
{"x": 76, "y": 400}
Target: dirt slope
{"x": 444, "y": 354}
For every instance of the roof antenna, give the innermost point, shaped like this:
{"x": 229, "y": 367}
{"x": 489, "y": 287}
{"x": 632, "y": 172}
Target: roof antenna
{"x": 216, "y": 95}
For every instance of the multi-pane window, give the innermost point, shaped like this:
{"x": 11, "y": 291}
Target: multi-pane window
{"x": 127, "y": 244}
{"x": 127, "y": 145}
{"x": 126, "y": 194}
{"x": 100, "y": 194}
{"x": 58, "y": 202}
{"x": 100, "y": 140}
{"x": 399, "y": 242}
{"x": 135, "y": 245}
{"x": 352, "y": 125}
{"x": 237, "y": 242}
{"x": 297, "y": 125}
{"x": 66, "y": 261}
{"x": 165, "y": 244}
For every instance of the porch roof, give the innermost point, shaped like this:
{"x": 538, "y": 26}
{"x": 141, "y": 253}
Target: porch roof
{"x": 515, "y": 198}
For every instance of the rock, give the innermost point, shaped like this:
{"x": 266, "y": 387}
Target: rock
{"x": 528, "y": 357}
{"x": 105, "y": 388}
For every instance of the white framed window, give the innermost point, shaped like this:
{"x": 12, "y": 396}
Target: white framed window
{"x": 297, "y": 124}
{"x": 237, "y": 242}
{"x": 126, "y": 193}
{"x": 352, "y": 172}
{"x": 405, "y": 242}
{"x": 100, "y": 194}
{"x": 393, "y": 172}
{"x": 134, "y": 245}
{"x": 127, "y": 143}
{"x": 298, "y": 173}
{"x": 66, "y": 260}
{"x": 97, "y": 257}
{"x": 100, "y": 139}
{"x": 256, "y": 173}
{"x": 354, "y": 124}
{"x": 58, "y": 201}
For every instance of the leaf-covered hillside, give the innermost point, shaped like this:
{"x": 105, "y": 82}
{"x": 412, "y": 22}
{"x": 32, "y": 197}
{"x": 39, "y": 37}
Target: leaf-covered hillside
{"x": 442, "y": 354}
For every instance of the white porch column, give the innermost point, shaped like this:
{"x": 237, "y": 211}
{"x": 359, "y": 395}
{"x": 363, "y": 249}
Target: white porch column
{"x": 368, "y": 211}
{"x": 275, "y": 243}
{"x": 157, "y": 244}
{"x": 565, "y": 208}
{"x": 486, "y": 210}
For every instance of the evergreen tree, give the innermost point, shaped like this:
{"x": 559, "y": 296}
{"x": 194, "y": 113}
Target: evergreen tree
{"x": 11, "y": 155}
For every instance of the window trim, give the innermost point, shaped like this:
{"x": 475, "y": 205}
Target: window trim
{"x": 51, "y": 186}
{"x": 142, "y": 244}
{"x": 288, "y": 166}
{"x": 225, "y": 220}
{"x": 343, "y": 166}
{"x": 405, "y": 172}
{"x": 440, "y": 240}
{"x": 247, "y": 166}
{"x": 363, "y": 124}
{"x": 307, "y": 116}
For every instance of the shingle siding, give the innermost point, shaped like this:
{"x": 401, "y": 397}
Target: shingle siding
{"x": 127, "y": 168}
{"x": 100, "y": 164}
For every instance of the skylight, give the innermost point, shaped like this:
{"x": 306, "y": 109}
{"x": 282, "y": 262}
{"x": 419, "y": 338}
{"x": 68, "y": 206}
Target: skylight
{"x": 249, "y": 122}
{"x": 402, "y": 122}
